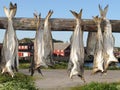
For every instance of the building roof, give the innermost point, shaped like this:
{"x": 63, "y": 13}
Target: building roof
{"x": 61, "y": 46}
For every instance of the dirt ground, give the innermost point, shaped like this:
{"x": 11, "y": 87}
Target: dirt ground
{"x": 59, "y": 79}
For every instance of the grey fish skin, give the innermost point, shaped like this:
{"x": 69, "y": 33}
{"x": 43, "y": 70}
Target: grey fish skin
{"x": 108, "y": 39}
{"x": 91, "y": 41}
{"x": 76, "y": 62}
{"x": 98, "y": 55}
{"x": 47, "y": 41}
{"x": 108, "y": 43}
{"x": 10, "y": 44}
{"x": 38, "y": 47}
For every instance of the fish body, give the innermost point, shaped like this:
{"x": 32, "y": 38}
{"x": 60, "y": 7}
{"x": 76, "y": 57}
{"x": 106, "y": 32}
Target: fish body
{"x": 10, "y": 44}
{"x": 47, "y": 41}
{"x": 108, "y": 44}
{"x": 76, "y": 62}
{"x": 108, "y": 39}
{"x": 43, "y": 45}
{"x": 37, "y": 61}
{"x": 98, "y": 55}
{"x": 91, "y": 41}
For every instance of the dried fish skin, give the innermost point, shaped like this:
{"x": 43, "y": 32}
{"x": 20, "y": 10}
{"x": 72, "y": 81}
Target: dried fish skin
{"x": 10, "y": 44}
{"x": 108, "y": 39}
{"x": 108, "y": 44}
{"x": 76, "y": 62}
{"x": 91, "y": 41}
{"x": 47, "y": 41}
{"x": 98, "y": 55}
{"x": 37, "y": 61}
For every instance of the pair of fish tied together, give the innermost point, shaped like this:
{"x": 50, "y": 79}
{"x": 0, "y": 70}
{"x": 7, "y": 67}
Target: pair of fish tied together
{"x": 104, "y": 43}
{"x": 43, "y": 44}
{"x": 9, "y": 53}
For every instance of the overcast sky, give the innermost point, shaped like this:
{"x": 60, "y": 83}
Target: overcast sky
{"x": 61, "y": 8}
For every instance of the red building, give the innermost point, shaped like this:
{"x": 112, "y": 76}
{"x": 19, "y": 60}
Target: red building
{"x": 25, "y": 49}
{"x": 61, "y": 49}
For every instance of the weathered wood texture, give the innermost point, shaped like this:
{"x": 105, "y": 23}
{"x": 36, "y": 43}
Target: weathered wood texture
{"x": 57, "y": 24}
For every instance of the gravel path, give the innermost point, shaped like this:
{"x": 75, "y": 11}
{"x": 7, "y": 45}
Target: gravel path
{"x": 58, "y": 79}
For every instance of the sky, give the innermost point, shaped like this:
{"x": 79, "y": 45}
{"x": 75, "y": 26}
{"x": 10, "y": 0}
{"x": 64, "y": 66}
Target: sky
{"x": 26, "y": 8}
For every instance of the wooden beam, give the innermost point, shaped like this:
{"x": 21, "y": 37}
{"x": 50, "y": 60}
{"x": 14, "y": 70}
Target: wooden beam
{"x": 57, "y": 24}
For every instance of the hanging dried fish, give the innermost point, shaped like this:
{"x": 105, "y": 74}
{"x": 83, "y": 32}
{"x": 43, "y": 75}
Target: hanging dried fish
{"x": 47, "y": 41}
{"x": 76, "y": 62}
{"x": 108, "y": 39}
{"x": 98, "y": 55}
{"x": 37, "y": 62}
{"x": 9, "y": 51}
{"x": 91, "y": 41}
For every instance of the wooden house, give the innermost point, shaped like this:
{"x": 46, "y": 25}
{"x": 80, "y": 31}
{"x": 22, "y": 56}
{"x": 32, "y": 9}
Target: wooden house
{"x": 61, "y": 49}
{"x": 25, "y": 49}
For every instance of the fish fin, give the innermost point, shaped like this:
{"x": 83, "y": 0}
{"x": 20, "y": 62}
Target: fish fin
{"x": 82, "y": 78}
{"x": 103, "y": 12}
{"x": 32, "y": 71}
{"x": 112, "y": 59}
{"x": 77, "y": 15}
{"x": 39, "y": 71}
{"x": 8, "y": 70}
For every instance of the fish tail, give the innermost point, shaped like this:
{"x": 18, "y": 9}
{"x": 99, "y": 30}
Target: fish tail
{"x": 37, "y": 18}
{"x": 49, "y": 14}
{"x": 103, "y": 12}
{"x": 97, "y": 19}
{"x": 77, "y": 15}
{"x": 12, "y": 12}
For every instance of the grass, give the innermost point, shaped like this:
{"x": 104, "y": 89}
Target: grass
{"x": 19, "y": 82}
{"x": 24, "y": 65}
{"x": 98, "y": 86}
{"x": 24, "y": 82}
{"x": 60, "y": 65}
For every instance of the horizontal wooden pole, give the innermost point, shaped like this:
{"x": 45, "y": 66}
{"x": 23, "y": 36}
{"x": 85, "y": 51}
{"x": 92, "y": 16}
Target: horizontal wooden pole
{"x": 57, "y": 24}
